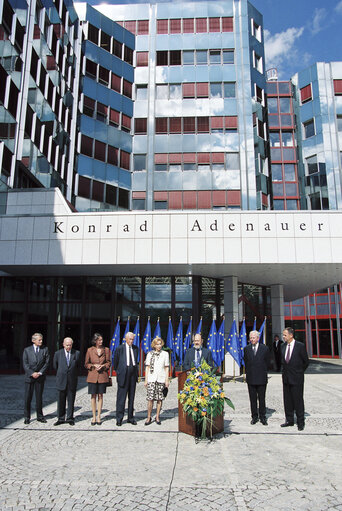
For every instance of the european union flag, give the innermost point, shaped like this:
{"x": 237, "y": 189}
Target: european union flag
{"x": 147, "y": 337}
{"x": 178, "y": 342}
{"x": 169, "y": 340}
{"x": 157, "y": 332}
{"x": 199, "y": 328}
{"x": 212, "y": 342}
{"x": 115, "y": 341}
{"x": 220, "y": 343}
{"x": 262, "y": 332}
{"x": 136, "y": 341}
{"x": 187, "y": 340}
{"x": 126, "y": 330}
{"x": 243, "y": 340}
{"x": 233, "y": 344}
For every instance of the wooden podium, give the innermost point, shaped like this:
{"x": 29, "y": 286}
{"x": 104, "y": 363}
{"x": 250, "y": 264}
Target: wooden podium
{"x": 185, "y": 423}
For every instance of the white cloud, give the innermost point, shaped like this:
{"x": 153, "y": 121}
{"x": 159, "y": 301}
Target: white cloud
{"x": 280, "y": 49}
{"x": 338, "y": 7}
{"x": 318, "y": 20}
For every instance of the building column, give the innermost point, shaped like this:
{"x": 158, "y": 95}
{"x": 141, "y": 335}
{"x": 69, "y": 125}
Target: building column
{"x": 231, "y": 312}
{"x": 277, "y": 310}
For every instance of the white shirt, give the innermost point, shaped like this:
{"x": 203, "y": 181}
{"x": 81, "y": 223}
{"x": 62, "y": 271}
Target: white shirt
{"x": 159, "y": 367}
{"x": 128, "y": 351}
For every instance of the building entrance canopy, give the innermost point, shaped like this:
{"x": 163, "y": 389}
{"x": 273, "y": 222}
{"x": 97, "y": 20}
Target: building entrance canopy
{"x": 300, "y": 250}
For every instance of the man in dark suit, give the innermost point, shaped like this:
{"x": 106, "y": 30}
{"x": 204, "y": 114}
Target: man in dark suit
{"x": 257, "y": 359}
{"x": 66, "y": 363}
{"x": 277, "y": 344}
{"x": 35, "y": 362}
{"x": 294, "y": 360}
{"x": 125, "y": 364}
{"x": 196, "y": 354}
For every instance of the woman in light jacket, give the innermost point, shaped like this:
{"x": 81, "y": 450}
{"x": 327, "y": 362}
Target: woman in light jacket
{"x": 156, "y": 377}
{"x": 97, "y": 362}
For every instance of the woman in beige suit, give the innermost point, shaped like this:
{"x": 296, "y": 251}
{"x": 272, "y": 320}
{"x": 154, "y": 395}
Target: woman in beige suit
{"x": 97, "y": 362}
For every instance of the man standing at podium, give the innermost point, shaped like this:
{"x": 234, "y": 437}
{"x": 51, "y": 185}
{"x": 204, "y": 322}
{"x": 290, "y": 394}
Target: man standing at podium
{"x": 196, "y": 354}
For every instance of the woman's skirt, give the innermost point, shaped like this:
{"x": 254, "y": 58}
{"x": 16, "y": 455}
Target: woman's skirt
{"x": 97, "y": 388}
{"x": 155, "y": 391}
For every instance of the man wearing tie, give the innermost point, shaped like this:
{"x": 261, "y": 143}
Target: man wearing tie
{"x": 126, "y": 367}
{"x": 66, "y": 363}
{"x": 257, "y": 359}
{"x": 35, "y": 362}
{"x": 294, "y": 362}
{"x": 196, "y": 354}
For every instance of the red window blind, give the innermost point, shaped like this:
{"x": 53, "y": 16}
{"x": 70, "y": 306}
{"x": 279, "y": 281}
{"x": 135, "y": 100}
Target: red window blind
{"x": 217, "y": 157}
{"x": 189, "y": 124}
{"x": 140, "y": 126}
{"x": 142, "y": 58}
{"x": 160, "y": 158}
{"x": 142, "y": 27}
{"x": 189, "y": 200}
{"x": 338, "y": 86}
{"x": 161, "y": 124}
{"x": 231, "y": 122}
{"x": 126, "y": 121}
{"x": 98, "y": 189}
{"x": 188, "y": 25}
{"x": 175, "y": 200}
{"x": 51, "y": 63}
{"x": 227, "y": 24}
{"x": 102, "y": 109}
{"x": 203, "y": 157}
{"x": 175, "y": 26}
{"x": 36, "y": 32}
{"x": 214, "y": 25}
{"x": 131, "y": 26}
{"x": 127, "y": 88}
{"x": 175, "y": 125}
{"x": 114, "y": 117}
{"x": 124, "y": 160}
{"x": 305, "y": 93}
{"x": 138, "y": 195}
{"x": 116, "y": 82}
{"x": 204, "y": 200}
{"x": 219, "y": 198}
{"x": 160, "y": 195}
{"x": 189, "y": 157}
{"x": 162, "y": 26}
{"x": 217, "y": 123}
{"x": 264, "y": 199}
{"x": 203, "y": 124}
{"x": 233, "y": 197}
{"x": 84, "y": 187}
{"x": 100, "y": 151}
{"x": 201, "y": 25}
{"x": 90, "y": 103}
{"x": 87, "y": 145}
{"x": 175, "y": 158}
{"x": 112, "y": 157}
{"x": 188, "y": 90}
{"x": 202, "y": 90}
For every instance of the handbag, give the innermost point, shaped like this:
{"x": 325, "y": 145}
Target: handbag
{"x": 109, "y": 382}
{"x": 165, "y": 391}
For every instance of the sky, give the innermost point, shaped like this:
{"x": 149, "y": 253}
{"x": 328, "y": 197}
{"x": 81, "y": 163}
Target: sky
{"x": 297, "y": 33}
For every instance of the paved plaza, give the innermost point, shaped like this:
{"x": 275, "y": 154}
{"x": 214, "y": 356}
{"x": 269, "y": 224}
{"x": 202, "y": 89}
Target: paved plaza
{"x": 248, "y": 468}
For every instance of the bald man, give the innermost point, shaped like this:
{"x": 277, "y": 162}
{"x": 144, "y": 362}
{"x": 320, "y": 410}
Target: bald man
{"x": 66, "y": 363}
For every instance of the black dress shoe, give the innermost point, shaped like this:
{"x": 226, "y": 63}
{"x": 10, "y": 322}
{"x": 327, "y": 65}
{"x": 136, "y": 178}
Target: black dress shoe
{"x": 119, "y": 423}
{"x": 286, "y": 424}
{"x": 254, "y": 421}
{"x": 42, "y": 420}
{"x": 58, "y": 423}
{"x": 148, "y": 422}
{"x": 264, "y": 422}
{"x": 301, "y": 427}
{"x": 158, "y": 422}
{"x": 132, "y": 421}
{"x": 27, "y": 421}
{"x": 71, "y": 422}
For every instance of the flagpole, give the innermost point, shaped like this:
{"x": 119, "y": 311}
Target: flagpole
{"x": 244, "y": 369}
{"x": 265, "y": 330}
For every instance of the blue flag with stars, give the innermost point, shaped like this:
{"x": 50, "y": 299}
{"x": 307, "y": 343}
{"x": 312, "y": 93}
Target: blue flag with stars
{"x": 147, "y": 337}
{"x": 187, "y": 340}
{"x": 212, "y": 341}
{"x": 233, "y": 347}
{"x": 115, "y": 341}
{"x": 169, "y": 339}
{"x": 136, "y": 341}
{"x": 157, "y": 332}
{"x": 220, "y": 343}
{"x": 178, "y": 342}
{"x": 262, "y": 332}
{"x": 243, "y": 340}
{"x": 199, "y": 328}
{"x": 126, "y": 330}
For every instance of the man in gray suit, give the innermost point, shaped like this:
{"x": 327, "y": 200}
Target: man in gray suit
{"x": 66, "y": 363}
{"x": 35, "y": 362}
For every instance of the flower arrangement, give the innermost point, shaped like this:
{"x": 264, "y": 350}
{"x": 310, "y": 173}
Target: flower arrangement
{"x": 203, "y": 397}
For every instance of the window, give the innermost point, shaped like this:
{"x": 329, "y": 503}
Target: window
{"x": 188, "y": 57}
{"x": 105, "y": 41}
{"x": 141, "y": 92}
{"x": 259, "y": 94}
{"x": 188, "y": 90}
{"x": 127, "y": 88}
{"x": 93, "y": 34}
{"x": 140, "y": 126}
{"x": 229, "y": 89}
{"x": 258, "y": 62}
{"x": 309, "y": 128}
{"x": 188, "y": 25}
{"x": 312, "y": 165}
{"x": 102, "y": 112}
{"x": 138, "y": 204}
{"x": 339, "y": 123}
{"x": 289, "y": 172}
{"x": 116, "y": 82}
{"x": 100, "y": 151}
{"x": 139, "y": 162}
{"x": 256, "y": 30}
{"x": 111, "y": 195}
{"x": 84, "y": 187}
{"x": 285, "y": 105}
{"x": 126, "y": 123}
{"x": 142, "y": 58}
{"x": 162, "y": 26}
{"x": 104, "y": 76}
{"x": 232, "y": 161}
{"x": 202, "y": 90}
{"x": 272, "y": 105}
{"x": 128, "y": 55}
{"x": 162, "y": 91}
{"x": 162, "y": 58}
{"x": 337, "y": 87}
{"x": 112, "y": 157}
{"x": 117, "y": 49}
{"x": 287, "y": 139}
{"x": 161, "y": 125}
{"x": 175, "y": 26}
{"x": 131, "y": 26}
{"x": 88, "y": 106}
{"x": 189, "y": 124}
{"x": 276, "y": 172}
{"x": 142, "y": 27}
{"x": 214, "y": 24}
{"x": 124, "y": 160}
{"x": 275, "y": 139}
{"x": 114, "y": 117}
{"x": 87, "y": 146}
{"x": 175, "y": 91}
{"x": 216, "y": 90}
{"x": 215, "y": 56}
{"x": 175, "y": 58}
{"x": 203, "y": 124}
{"x": 306, "y": 93}
{"x": 201, "y": 57}
{"x": 201, "y": 25}
{"x": 228, "y": 56}
{"x": 227, "y": 24}
{"x": 175, "y": 125}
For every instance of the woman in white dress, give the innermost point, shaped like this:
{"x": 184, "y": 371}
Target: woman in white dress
{"x": 156, "y": 377}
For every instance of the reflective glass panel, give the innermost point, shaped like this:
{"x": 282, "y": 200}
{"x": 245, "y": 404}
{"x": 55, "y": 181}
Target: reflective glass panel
{"x": 201, "y": 57}
{"x": 175, "y": 91}
{"x": 285, "y": 105}
{"x": 229, "y": 89}
{"x": 215, "y": 56}
{"x": 278, "y": 190}
{"x": 291, "y": 189}
{"x": 289, "y": 172}
{"x": 158, "y": 289}
{"x": 291, "y": 204}
{"x": 287, "y": 139}
{"x": 274, "y": 139}
{"x": 188, "y": 57}
{"x": 139, "y": 161}
{"x": 215, "y": 90}
{"x": 162, "y": 91}
{"x": 272, "y": 104}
